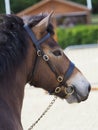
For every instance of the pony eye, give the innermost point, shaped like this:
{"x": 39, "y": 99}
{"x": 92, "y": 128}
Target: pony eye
{"x": 57, "y": 53}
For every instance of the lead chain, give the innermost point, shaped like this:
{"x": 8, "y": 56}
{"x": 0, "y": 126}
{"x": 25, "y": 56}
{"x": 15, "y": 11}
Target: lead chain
{"x": 44, "y": 113}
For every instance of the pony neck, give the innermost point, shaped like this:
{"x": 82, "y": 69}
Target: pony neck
{"x": 12, "y": 93}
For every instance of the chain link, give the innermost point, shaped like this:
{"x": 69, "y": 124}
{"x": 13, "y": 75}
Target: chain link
{"x": 44, "y": 113}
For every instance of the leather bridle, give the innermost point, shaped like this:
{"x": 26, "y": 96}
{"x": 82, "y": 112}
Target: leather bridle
{"x": 63, "y": 87}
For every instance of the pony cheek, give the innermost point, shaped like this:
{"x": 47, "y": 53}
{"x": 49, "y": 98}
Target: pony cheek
{"x": 45, "y": 79}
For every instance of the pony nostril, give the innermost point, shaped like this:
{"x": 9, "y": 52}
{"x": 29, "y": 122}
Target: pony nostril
{"x": 89, "y": 88}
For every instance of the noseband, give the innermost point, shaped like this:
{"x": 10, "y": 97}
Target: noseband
{"x": 63, "y": 87}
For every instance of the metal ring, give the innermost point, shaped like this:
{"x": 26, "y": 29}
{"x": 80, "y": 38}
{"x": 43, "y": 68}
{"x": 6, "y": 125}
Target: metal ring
{"x": 58, "y": 90}
{"x": 45, "y": 57}
{"x": 39, "y": 52}
{"x": 59, "y": 79}
{"x": 67, "y": 92}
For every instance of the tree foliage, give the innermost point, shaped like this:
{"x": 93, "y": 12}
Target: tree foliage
{"x": 17, "y": 5}
{"x": 2, "y": 8}
{"x": 95, "y": 6}
{"x": 79, "y": 1}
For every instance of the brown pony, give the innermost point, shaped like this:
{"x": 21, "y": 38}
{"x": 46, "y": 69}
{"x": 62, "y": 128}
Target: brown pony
{"x": 29, "y": 54}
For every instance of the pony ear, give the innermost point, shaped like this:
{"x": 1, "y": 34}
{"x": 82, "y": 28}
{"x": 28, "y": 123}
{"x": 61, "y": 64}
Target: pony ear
{"x": 43, "y": 24}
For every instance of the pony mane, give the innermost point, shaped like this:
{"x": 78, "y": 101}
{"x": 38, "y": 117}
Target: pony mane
{"x": 13, "y": 44}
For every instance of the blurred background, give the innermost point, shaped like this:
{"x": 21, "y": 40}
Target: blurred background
{"x": 75, "y": 21}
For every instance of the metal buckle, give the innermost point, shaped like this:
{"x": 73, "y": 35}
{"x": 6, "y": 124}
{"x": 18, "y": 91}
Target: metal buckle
{"x": 45, "y": 57}
{"x": 59, "y": 79}
{"x": 58, "y": 90}
{"x": 39, "y": 52}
